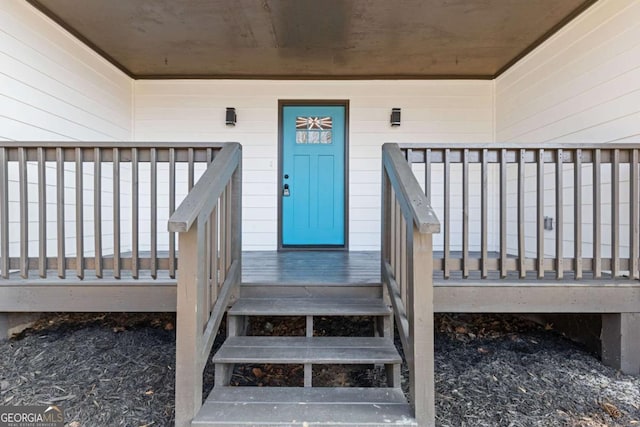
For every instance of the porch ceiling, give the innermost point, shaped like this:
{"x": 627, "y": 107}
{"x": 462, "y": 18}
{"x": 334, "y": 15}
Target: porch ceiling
{"x": 311, "y": 38}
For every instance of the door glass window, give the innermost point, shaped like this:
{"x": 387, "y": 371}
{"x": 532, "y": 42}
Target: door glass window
{"x": 313, "y": 130}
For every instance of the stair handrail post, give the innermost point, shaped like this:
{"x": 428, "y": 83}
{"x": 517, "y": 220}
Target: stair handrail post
{"x": 422, "y": 381}
{"x": 188, "y": 387}
{"x": 407, "y": 273}
{"x": 199, "y": 309}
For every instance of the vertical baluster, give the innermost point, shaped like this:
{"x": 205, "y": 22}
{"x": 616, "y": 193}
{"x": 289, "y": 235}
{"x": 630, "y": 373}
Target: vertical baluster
{"x": 191, "y": 168}
{"x": 465, "y": 213}
{"x": 403, "y": 258}
{"x": 116, "y": 213}
{"x": 397, "y": 224}
{"x": 223, "y": 234}
{"x": 209, "y": 156}
{"x": 540, "y": 213}
{"x": 42, "y": 213}
{"x": 229, "y": 223}
{"x": 153, "y": 159}
{"x": 447, "y": 208}
{"x": 427, "y": 174}
{"x": 597, "y": 236}
{"x": 60, "y": 212}
{"x": 484, "y": 214}
{"x": 97, "y": 209}
{"x": 172, "y": 208}
{"x": 212, "y": 247}
{"x": 214, "y": 255}
{"x": 207, "y": 271}
{"x": 398, "y": 241}
{"x": 521, "y": 237}
{"x": 24, "y": 213}
{"x": 615, "y": 214}
{"x": 392, "y": 232}
{"x": 577, "y": 211}
{"x": 403, "y": 255}
{"x": 201, "y": 278}
{"x": 394, "y": 235}
{"x": 503, "y": 213}
{"x": 385, "y": 233}
{"x": 79, "y": 215}
{"x": 634, "y": 226}
{"x": 212, "y": 285}
{"x": 559, "y": 214}
{"x": 135, "y": 253}
{"x": 4, "y": 213}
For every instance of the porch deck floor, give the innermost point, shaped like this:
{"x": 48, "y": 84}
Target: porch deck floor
{"x": 330, "y": 274}
{"x": 363, "y": 267}
{"x": 307, "y": 268}
{"x": 311, "y": 267}
{"x": 71, "y": 278}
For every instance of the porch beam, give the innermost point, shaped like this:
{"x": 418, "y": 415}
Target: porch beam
{"x": 73, "y": 296}
{"x": 548, "y": 296}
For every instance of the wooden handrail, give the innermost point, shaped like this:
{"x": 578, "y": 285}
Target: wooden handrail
{"x": 178, "y": 145}
{"x": 513, "y": 145}
{"x": 209, "y": 223}
{"x": 408, "y": 191}
{"x": 408, "y": 222}
{"x": 202, "y": 198}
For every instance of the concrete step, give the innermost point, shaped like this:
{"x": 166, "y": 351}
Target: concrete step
{"x": 293, "y": 406}
{"x": 310, "y": 307}
{"x": 313, "y": 350}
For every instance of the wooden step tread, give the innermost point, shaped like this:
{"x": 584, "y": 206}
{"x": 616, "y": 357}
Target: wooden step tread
{"x": 310, "y": 307}
{"x": 292, "y": 406}
{"x": 338, "y": 350}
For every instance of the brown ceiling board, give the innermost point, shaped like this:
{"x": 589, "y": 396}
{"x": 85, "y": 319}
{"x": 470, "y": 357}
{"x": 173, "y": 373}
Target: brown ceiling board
{"x": 576, "y": 12}
{"x": 311, "y": 39}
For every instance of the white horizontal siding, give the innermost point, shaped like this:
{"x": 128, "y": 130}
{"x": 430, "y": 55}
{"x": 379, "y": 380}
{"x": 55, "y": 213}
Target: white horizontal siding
{"x": 580, "y": 86}
{"x": 432, "y": 111}
{"x": 51, "y": 82}
{"x": 54, "y": 88}
{"x": 583, "y": 79}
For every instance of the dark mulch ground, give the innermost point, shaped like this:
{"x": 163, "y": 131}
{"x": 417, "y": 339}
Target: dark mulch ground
{"x": 503, "y": 371}
{"x": 117, "y": 370}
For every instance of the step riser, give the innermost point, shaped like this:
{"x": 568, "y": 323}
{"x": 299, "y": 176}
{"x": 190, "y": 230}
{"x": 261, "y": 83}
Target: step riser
{"x": 310, "y": 307}
{"x": 310, "y": 291}
{"x": 307, "y": 351}
{"x": 301, "y": 350}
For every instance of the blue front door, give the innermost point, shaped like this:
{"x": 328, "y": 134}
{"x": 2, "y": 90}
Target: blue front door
{"x": 313, "y": 205}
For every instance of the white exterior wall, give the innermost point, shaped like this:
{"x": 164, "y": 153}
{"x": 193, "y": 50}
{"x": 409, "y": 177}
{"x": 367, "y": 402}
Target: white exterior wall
{"x": 438, "y": 111}
{"x": 580, "y": 86}
{"x": 54, "y": 88}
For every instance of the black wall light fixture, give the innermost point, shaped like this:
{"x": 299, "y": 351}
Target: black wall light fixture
{"x": 230, "y": 117}
{"x": 395, "y": 117}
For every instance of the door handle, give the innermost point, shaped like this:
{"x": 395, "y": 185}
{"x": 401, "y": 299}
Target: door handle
{"x": 285, "y": 191}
